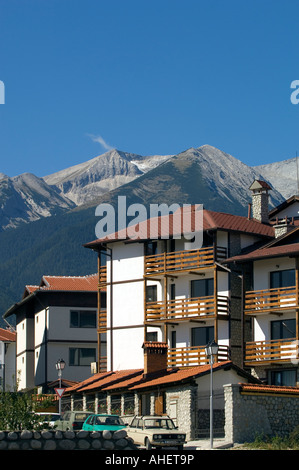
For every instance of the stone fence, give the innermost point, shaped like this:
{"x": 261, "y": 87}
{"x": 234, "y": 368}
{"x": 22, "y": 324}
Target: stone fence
{"x": 263, "y": 411}
{"x": 65, "y": 440}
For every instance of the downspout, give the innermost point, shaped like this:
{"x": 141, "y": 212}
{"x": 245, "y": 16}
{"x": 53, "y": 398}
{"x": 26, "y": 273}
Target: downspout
{"x": 111, "y": 308}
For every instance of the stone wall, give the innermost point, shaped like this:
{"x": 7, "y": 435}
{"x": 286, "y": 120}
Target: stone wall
{"x": 248, "y": 415}
{"x": 181, "y": 406}
{"x": 65, "y": 440}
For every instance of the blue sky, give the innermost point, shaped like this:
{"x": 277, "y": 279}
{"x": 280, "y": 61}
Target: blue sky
{"x": 147, "y": 77}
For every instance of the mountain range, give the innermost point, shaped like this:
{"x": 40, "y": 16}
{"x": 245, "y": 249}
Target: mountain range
{"x": 44, "y": 222}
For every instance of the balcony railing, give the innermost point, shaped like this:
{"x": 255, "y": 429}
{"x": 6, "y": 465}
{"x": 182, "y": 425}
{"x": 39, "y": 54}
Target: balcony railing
{"x": 182, "y": 309}
{"x": 102, "y": 321}
{"x": 102, "y": 364}
{"x": 260, "y": 301}
{"x": 194, "y": 356}
{"x": 257, "y": 352}
{"x": 183, "y": 260}
{"x": 102, "y": 275}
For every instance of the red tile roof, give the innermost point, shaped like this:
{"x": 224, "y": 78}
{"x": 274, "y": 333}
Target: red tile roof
{"x": 269, "y": 389}
{"x": 70, "y": 283}
{"x": 87, "y": 283}
{"x": 90, "y": 380}
{"x": 104, "y": 379}
{"x": 135, "y": 379}
{"x": 7, "y": 335}
{"x": 31, "y": 289}
{"x": 171, "y": 225}
{"x": 115, "y": 378}
{"x": 172, "y": 376}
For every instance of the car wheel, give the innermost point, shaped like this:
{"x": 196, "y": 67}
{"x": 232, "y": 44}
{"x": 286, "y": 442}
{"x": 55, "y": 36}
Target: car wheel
{"x": 148, "y": 445}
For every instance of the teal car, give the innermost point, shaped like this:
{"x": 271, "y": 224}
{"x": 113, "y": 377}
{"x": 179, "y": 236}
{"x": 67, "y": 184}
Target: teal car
{"x": 101, "y": 422}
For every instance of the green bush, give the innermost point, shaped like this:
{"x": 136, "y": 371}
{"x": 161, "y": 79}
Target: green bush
{"x": 17, "y": 412}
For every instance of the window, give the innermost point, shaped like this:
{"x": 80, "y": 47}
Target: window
{"x": 283, "y": 329}
{"x": 172, "y": 291}
{"x": 152, "y": 336}
{"x": 151, "y": 248}
{"x": 83, "y": 319}
{"x": 82, "y": 356}
{"x": 151, "y": 293}
{"x": 116, "y": 404}
{"x": 90, "y": 420}
{"x": 284, "y": 278}
{"x": 284, "y": 377}
{"x": 173, "y": 339}
{"x": 172, "y": 245}
{"x": 201, "y": 336}
{"x": 134, "y": 423}
{"x": 202, "y": 287}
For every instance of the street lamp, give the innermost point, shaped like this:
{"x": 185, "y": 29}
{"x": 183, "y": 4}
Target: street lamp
{"x": 211, "y": 350}
{"x": 60, "y": 365}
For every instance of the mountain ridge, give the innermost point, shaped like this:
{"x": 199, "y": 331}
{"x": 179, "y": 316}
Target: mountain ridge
{"x": 54, "y": 244}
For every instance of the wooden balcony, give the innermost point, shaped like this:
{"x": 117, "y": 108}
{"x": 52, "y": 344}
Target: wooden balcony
{"x": 186, "y": 309}
{"x": 265, "y": 352}
{"x": 270, "y": 300}
{"x": 183, "y": 260}
{"x": 194, "y": 356}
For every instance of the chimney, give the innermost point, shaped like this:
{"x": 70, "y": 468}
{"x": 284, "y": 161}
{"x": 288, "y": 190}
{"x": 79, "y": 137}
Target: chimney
{"x": 260, "y": 201}
{"x": 283, "y": 226}
{"x": 155, "y": 356}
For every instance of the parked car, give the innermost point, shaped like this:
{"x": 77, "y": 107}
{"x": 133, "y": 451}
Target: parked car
{"x": 72, "y": 420}
{"x": 99, "y": 422}
{"x": 155, "y": 431}
{"x": 48, "y": 420}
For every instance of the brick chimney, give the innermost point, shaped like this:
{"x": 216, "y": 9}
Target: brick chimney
{"x": 260, "y": 201}
{"x": 155, "y": 356}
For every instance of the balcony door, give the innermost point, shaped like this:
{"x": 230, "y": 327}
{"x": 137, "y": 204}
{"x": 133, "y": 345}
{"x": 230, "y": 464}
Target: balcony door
{"x": 202, "y": 287}
{"x": 283, "y": 329}
{"x": 201, "y": 336}
{"x": 285, "y": 278}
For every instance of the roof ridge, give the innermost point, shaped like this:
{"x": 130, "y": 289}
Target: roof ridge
{"x": 69, "y": 277}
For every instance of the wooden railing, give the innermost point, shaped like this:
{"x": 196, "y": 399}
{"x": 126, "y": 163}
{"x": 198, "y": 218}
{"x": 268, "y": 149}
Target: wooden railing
{"x": 271, "y": 351}
{"x": 193, "y": 356}
{"x": 181, "y": 309}
{"x": 102, "y": 364}
{"x": 102, "y": 321}
{"x": 102, "y": 274}
{"x": 183, "y": 260}
{"x": 260, "y": 301}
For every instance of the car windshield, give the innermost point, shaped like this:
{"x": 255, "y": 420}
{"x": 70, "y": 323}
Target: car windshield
{"x": 159, "y": 423}
{"x": 111, "y": 420}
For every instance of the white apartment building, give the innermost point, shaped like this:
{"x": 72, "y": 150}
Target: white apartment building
{"x": 55, "y": 320}
{"x": 7, "y": 360}
{"x": 157, "y": 290}
{"x": 271, "y": 299}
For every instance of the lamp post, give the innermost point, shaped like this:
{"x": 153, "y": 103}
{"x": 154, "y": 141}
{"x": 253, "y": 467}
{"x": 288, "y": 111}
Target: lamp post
{"x": 211, "y": 350}
{"x": 60, "y": 365}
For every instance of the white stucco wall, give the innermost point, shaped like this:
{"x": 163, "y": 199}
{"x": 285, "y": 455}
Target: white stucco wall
{"x": 262, "y": 269}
